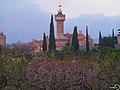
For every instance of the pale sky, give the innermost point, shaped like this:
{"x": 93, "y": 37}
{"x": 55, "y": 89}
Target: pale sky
{"x": 27, "y": 19}
{"x": 74, "y": 8}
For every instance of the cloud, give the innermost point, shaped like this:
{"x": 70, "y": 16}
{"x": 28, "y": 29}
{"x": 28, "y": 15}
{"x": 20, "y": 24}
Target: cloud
{"x": 77, "y": 7}
{"x": 27, "y": 19}
{"x": 23, "y": 21}
{"x": 96, "y": 23}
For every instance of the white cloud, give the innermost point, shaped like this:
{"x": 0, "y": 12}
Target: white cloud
{"x": 24, "y": 3}
{"x": 74, "y": 8}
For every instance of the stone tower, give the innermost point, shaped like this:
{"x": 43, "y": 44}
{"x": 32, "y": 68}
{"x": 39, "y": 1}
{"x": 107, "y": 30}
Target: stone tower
{"x": 60, "y": 18}
{"x": 118, "y": 38}
{"x": 2, "y": 40}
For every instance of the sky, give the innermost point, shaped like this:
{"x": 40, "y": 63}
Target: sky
{"x": 25, "y": 20}
{"x": 77, "y": 7}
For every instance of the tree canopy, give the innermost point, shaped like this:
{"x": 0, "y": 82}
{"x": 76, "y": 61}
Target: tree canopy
{"x": 75, "y": 43}
{"x": 87, "y": 41}
{"x": 44, "y": 43}
{"x": 52, "y": 45}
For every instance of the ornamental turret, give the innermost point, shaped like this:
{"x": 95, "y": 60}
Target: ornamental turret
{"x": 60, "y": 18}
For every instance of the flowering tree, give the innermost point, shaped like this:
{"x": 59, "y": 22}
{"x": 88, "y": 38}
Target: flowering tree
{"x": 63, "y": 75}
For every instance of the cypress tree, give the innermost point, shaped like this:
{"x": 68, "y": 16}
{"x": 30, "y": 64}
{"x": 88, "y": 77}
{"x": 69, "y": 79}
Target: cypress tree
{"x": 75, "y": 43}
{"x": 44, "y": 43}
{"x": 106, "y": 42}
{"x": 87, "y": 41}
{"x": 52, "y": 45}
{"x": 113, "y": 33}
{"x": 113, "y": 37}
{"x": 100, "y": 38}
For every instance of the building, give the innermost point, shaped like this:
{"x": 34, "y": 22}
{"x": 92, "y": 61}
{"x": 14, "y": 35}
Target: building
{"x": 117, "y": 46}
{"x": 35, "y": 46}
{"x": 61, "y": 38}
{"x": 60, "y": 18}
{"x": 118, "y": 38}
{"x": 2, "y": 40}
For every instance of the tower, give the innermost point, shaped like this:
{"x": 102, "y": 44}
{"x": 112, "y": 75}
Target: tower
{"x": 60, "y": 18}
{"x": 2, "y": 40}
{"x": 118, "y": 38}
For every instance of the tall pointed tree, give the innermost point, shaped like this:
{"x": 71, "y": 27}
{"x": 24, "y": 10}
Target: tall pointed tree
{"x": 75, "y": 43}
{"x": 113, "y": 37}
{"x": 100, "y": 38}
{"x": 44, "y": 43}
{"x": 113, "y": 33}
{"x": 52, "y": 45}
{"x": 87, "y": 41}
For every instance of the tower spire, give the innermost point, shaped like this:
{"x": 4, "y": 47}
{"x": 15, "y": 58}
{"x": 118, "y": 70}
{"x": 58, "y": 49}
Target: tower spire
{"x": 60, "y": 18}
{"x": 60, "y": 5}
{"x": 59, "y": 2}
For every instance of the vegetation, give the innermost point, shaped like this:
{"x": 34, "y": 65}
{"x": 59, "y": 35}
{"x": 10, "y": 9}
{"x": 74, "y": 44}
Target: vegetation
{"x": 107, "y": 42}
{"x": 67, "y": 47}
{"x": 100, "y": 38}
{"x": 13, "y": 73}
{"x": 110, "y": 41}
{"x": 113, "y": 36}
{"x": 96, "y": 70}
{"x": 87, "y": 41}
{"x": 75, "y": 43}
{"x": 52, "y": 45}
{"x": 44, "y": 43}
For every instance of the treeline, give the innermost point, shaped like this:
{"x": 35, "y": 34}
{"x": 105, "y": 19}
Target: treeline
{"x": 109, "y": 42}
{"x": 75, "y": 42}
{"x": 73, "y": 71}
{"x": 70, "y": 69}
{"x": 72, "y": 51}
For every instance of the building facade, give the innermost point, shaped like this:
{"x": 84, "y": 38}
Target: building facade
{"x": 60, "y": 18}
{"x": 35, "y": 46}
{"x": 2, "y": 40}
{"x": 118, "y": 40}
{"x": 61, "y": 38}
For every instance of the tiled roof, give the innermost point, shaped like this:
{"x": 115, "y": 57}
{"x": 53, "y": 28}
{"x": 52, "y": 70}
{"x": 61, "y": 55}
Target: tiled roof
{"x": 2, "y": 34}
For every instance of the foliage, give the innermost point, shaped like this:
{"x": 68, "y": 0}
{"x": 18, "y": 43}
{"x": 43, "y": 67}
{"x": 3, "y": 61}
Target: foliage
{"x": 44, "y": 43}
{"x": 106, "y": 49}
{"x": 118, "y": 32}
{"x": 68, "y": 56}
{"x": 114, "y": 38}
{"x": 75, "y": 43}
{"x": 64, "y": 75}
{"x": 3, "y": 80}
{"x": 107, "y": 42}
{"x": 52, "y": 45}
{"x": 109, "y": 73}
{"x": 18, "y": 49}
{"x": 113, "y": 34}
{"x": 87, "y": 41}
{"x": 100, "y": 38}
{"x": 13, "y": 74}
{"x": 96, "y": 70}
{"x": 67, "y": 47}
{"x": 59, "y": 55}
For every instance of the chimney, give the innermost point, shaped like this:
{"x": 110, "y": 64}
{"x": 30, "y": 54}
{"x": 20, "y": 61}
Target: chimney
{"x": 80, "y": 32}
